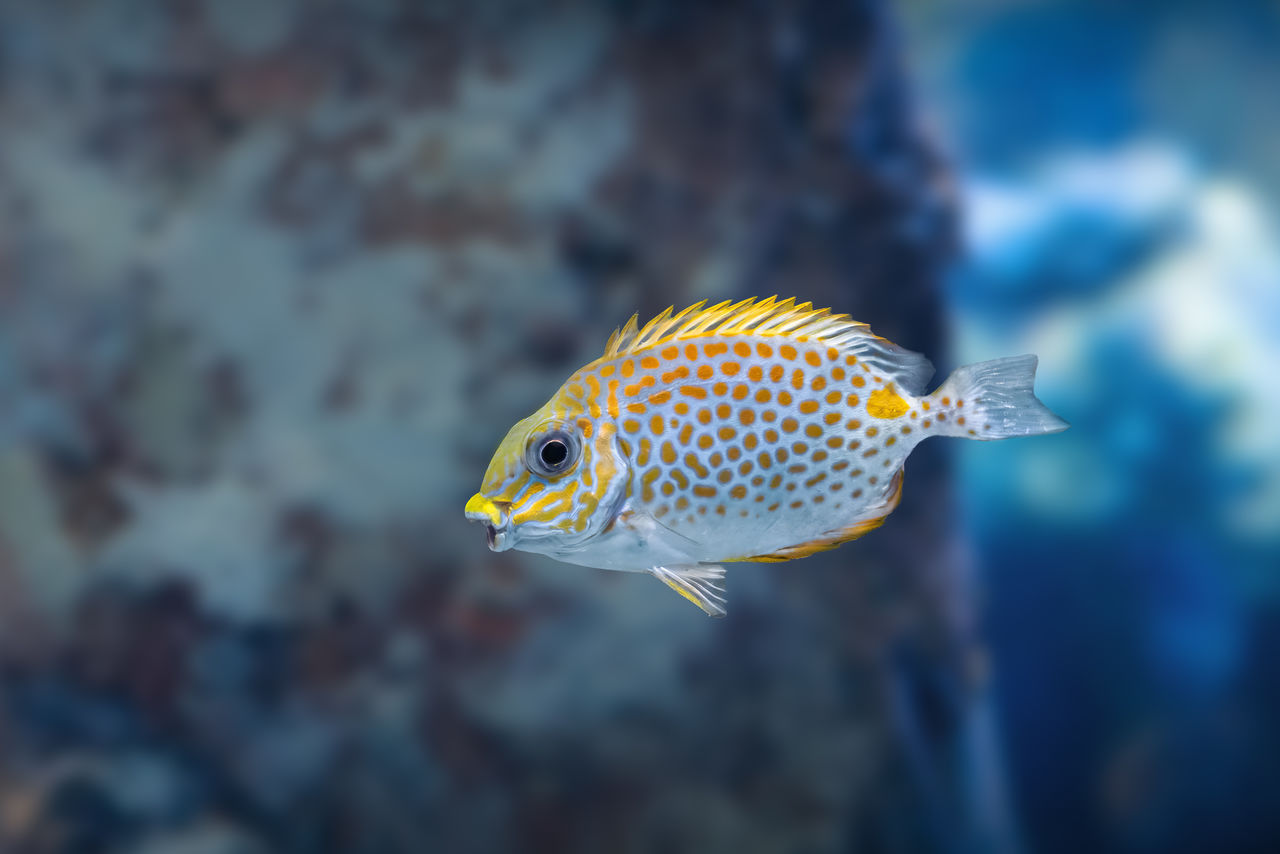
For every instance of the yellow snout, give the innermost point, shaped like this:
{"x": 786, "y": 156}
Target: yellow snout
{"x": 481, "y": 508}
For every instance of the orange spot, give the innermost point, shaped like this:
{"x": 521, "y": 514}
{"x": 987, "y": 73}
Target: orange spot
{"x": 745, "y": 468}
{"x": 750, "y": 441}
{"x": 584, "y": 424}
{"x": 769, "y": 415}
{"x": 691, "y": 351}
{"x": 716, "y": 459}
{"x": 831, "y": 418}
{"x": 726, "y": 433}
{"x": 808, "y": 406}
{"x": 724, "y": 476}
{"x": 777, "y": 372}
{"x": 839, "y": 466}
{"x": 819, "y": 383}
{"x": 771, "y": 435}
{"x": 837, "y": 373}
{"x": 763, "y": 395}
{"x": 694, "y": 391}
{"x": 719, "y": 389}
{"x": 833, "y": 397}
{"x": 784, "y": 398}
{"x": 704, "y": 491}
{"x": 819, "y": 456}
{"x": 764, "y": 350}
{"x": 681, "y": 408}
{"x": 679, "y": 373}
{"x": 924, "y": 404}
{"x": 631, "y": 390}
{"x": 836, "y": 441}
{"x": 797, "y": 379}
{"x": 960, "y": 420}
{"x": 813, "y": 358}
{"x": 670, "y": 353}
{"x": 631, "y": 425}
{"x": 799, "y": 448}
{"x": 694, "y": 463}
{"x": 730, "y": 369}
{"x": 668, "y": 453}
{"x": 612, "y": 403}
{"x": 723, "y": 411}
{"x": 705, "y": 372}
{"x": 926, "y": 423}
{"x": 642, "y": 458}
{"x": 659, "y": 397}
{"x": 787, "y": 352}
{"x": 858, "y": 381}
{"x": 790, "y": 425}
{"x": 946, "y": 401}
{"x": 637, "y": 408}
{"x": 960, "y": 404}
{"x": 738, "y": 491}
{"x": 704, "y": 415}
{"x": 649, "y": 363}
{"x": 682, "y": 503}
{"x": 742, "y": 349}
{"x": 813, "y": 430}
{"x": 627, "y": 368}
{"x": 890, "y": 441}
{"x": 740, "y": 391}
{"x": 606, "y": 371}
{"x": 668, "y": 488}
{"x": 678, "y": 476}
{"x": 705, "y": 441}
{"x": 764, "y": 459}
{"x": 833, "y": 353}
{"x": 755, "y": 373}
{"x": 797, "y": 504}
{"x": 853, "y": 424}
{"x": 746, "y": 416}
{"x": 656, "y": 425}
{"x": 853, "y": 400}
{"x": 733, "y": 452}
{"x": 872, "y": 432}
{"x": 816, "y": 479}
{"x": 685, "y": 433}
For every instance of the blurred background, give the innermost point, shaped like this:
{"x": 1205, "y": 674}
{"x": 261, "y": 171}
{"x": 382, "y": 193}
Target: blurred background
{"x": 276, "y": 277}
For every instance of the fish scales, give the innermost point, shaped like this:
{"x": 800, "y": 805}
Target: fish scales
{"x": 761, "y": 430}
{"x": 765, "y": 442}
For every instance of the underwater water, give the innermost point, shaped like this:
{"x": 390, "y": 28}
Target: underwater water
{"x": 275, "y": 279}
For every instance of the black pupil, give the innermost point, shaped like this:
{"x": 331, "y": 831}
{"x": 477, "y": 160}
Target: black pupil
{"x": 554, "y": 453}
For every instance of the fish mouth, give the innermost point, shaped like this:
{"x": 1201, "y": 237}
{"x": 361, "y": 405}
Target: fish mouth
{"x": 496, "y": 518}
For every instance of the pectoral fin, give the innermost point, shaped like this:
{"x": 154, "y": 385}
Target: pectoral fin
{"x": 699, "y": 583}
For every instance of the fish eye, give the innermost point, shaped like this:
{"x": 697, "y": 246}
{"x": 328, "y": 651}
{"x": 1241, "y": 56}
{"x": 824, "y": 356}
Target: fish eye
{"x": 552, "y": 453}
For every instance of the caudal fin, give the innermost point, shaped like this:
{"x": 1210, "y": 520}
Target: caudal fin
{"x": 994, "y": 400}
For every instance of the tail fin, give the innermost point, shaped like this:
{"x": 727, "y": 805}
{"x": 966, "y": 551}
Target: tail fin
{"x": 994, "y": 400}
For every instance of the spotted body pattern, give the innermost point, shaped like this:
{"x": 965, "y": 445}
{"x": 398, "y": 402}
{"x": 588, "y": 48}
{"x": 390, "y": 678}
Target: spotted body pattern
{"x": 759, "y": 430}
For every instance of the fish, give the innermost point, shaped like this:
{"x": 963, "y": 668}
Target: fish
{"x": 755, "y": 430}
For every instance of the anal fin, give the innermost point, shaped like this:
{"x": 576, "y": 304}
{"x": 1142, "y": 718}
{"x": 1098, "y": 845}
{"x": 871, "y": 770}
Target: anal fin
{"x": 699, "y": 583}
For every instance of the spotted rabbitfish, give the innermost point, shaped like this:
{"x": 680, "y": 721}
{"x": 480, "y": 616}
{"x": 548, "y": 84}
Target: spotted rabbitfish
{"x": 760, "y": 430}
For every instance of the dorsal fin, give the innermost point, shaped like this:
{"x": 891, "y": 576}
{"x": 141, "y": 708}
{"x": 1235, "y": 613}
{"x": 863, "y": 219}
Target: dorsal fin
{"x": 773, "y": 317}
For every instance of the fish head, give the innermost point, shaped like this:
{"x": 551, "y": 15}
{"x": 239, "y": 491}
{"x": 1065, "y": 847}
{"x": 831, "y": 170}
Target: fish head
{"x": 556, "y": 481}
